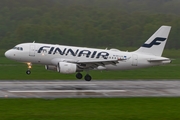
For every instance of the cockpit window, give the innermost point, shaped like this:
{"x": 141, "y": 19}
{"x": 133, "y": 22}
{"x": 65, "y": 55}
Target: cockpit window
{"x": 18, "y": 48}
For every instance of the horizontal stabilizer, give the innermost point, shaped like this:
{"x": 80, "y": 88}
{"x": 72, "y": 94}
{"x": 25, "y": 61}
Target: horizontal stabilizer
{"x": 159, "y": 60}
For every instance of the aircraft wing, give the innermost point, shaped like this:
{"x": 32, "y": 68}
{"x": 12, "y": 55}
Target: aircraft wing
{"x": 95, "y": 64}
{"x": 86, "y": 64}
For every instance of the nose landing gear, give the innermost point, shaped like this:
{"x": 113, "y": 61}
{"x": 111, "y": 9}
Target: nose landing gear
{"x": 28, "y": 72}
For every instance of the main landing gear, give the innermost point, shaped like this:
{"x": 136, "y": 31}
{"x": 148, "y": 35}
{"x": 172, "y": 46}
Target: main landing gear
{"x": 86, "y": 77}
{"x": 79, "y": 76}
{"x": 28, "y": 72}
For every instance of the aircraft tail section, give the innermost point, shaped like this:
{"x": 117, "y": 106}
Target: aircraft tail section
{"x": 156, "y": 43}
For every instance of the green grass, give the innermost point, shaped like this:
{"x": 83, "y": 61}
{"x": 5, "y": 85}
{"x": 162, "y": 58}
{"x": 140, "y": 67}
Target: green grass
{"x": 91, "y": 109}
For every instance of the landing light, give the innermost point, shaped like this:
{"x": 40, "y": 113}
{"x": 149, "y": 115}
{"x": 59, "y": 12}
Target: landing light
{"x": 29, "y": 65}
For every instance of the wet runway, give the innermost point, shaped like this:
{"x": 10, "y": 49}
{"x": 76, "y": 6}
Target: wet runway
{"x": 82, "y": 89}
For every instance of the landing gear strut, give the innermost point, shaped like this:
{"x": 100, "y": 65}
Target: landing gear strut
{"x": 28, "y": 72}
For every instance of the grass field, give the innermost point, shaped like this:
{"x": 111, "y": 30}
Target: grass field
{"x": 91, "y": 109}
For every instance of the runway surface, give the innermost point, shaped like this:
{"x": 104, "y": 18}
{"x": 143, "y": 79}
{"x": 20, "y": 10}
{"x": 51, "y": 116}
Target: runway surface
{"x": 81, "y": 89}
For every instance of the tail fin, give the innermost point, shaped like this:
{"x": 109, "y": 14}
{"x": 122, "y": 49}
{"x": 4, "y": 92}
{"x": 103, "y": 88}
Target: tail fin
{"x": 156, "y": 43}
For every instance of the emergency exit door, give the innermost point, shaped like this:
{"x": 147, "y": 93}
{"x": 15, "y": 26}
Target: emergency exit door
{"x": 32, "y": 50}
{"x": 134, "y": 60}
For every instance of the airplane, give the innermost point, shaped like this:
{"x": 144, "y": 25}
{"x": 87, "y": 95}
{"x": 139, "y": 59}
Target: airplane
{"x": 71, "y": 59}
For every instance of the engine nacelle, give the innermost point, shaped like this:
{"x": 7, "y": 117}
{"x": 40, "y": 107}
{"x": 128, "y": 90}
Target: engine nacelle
{"x": 66, "y": 68}
{"x": 51, "y": 67}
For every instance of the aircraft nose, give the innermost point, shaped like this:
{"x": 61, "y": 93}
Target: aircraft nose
{"x": 7, "y": 54}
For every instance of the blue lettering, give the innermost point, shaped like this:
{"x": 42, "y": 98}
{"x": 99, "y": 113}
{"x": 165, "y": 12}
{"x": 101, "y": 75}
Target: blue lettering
{"x": 93, "y": 55}
{"x": 51, "y": 50}
{"x": 59, "y": 50}
{"x": 72, "y": 52}
{"x": 103, "y": 54}
{"x": 78, "y": 53}
{"x": 86, "y": 52}
{"x": 41, "y": 48}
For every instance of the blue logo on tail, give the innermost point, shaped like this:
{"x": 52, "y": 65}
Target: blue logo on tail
{"x": 156, "y": 41}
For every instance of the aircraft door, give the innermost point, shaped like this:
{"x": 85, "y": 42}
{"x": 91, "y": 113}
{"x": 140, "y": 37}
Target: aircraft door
{"x": 134, "y": 60}
{"x": 32, "y": 50}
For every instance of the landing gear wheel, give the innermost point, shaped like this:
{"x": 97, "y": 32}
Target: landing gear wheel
{"x": 79, "y": 76}
{"x": 28, "y": 72}
{"x": 87, "y": 77}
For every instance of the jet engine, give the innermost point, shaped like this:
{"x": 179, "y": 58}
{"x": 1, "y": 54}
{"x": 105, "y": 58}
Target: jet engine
{"x": 66, "y": 68}
{"x": 51, "y": 67}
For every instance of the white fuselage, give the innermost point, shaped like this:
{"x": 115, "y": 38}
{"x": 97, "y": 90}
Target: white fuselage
{"x": 49, "y": 54}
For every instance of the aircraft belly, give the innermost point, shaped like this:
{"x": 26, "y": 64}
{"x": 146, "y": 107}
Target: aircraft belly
{"x": 119, "y": 66}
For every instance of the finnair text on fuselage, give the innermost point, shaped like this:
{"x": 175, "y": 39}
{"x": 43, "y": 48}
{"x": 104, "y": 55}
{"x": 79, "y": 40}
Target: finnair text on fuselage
{"x": 75, "y": 52}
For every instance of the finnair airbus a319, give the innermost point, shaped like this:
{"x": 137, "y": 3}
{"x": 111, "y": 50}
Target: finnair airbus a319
{"x": 69, "y": 59}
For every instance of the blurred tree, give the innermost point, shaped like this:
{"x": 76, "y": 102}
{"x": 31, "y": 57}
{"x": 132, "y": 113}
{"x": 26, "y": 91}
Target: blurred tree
{"x": 95, "y": 23}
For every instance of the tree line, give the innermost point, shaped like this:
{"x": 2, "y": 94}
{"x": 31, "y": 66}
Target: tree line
{"x": 90, "y": 23}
